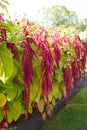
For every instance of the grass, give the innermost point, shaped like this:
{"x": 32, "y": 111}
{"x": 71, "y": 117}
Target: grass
{"x": 73, "y": 116}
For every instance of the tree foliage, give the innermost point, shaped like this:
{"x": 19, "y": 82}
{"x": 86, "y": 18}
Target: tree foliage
{"x": 59, "y": 15}
{"x": 3, "y": 5}
{"x": 82, "y": 25}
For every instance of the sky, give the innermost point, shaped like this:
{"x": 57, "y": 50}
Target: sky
{"x": 31, "y": 7}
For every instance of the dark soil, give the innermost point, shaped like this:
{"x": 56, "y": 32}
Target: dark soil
{"x": 35, "y": 120}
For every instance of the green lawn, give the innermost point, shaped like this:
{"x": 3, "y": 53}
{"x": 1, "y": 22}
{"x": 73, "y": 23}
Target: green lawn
{"x": 73, "y": 116}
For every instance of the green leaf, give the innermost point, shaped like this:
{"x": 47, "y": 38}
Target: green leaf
{"x": 37, "y": 98}
{"x": 20, "y": 75}
{"x": 14, "y": 72}
{"x": 19, "y": 88}
{"x": 64, "y": 58}
{"x": 59, "y": 75}
{"x": 55, "y": 89}
{"x": 9, "y": 28}
{"x": 16, "y": 116}
{"x": 34, "y": 47}
{"x": 6, "y": 64}
{"x": 57, "y": 93}
{"x": 11, "y": 94}
{"x": 17, "y": 106}
{"x": 12, "y": 114}
{"x": 2, "y": 90}
{"x": 8, "y": 85}
{"x": 53, "y": 101}
{"x": 37, "y": 69}
{"x": 41, "y": 106}
{"x": 60, "y": 95}
{"x": 20, "y": 37}
{"x": 10, "y": 23}
{"x": 1, "y": 115}
{"x": 2, "y": 99}
{"x": 73, "y": 51}
{"x": 35, "y": 91}
{"x": 17, "y": 63}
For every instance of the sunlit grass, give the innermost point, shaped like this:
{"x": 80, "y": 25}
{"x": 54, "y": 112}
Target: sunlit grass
{"x": 73, "y": 116}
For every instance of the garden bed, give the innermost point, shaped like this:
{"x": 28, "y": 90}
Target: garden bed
{"x": 35, "y": 121}
{"x": 44, "y": 62}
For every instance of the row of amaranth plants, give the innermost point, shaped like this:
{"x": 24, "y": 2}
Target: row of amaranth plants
{"x": 37, "y": 66}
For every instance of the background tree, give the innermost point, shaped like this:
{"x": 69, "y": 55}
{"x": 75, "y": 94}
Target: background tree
{"x": 82, "y": 26}
{"x": 59, "y": 15}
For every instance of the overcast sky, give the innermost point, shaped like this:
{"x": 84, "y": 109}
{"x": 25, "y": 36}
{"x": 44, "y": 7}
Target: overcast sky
{"x": 31, "y": 7}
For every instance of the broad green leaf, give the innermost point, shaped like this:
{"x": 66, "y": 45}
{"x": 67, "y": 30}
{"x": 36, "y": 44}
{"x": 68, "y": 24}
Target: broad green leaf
{"x": 11, "y": 94}
{"x": 12, "y": 114}
{"x": 35, "y": 91}
{"x": 2, "y": 73}
{"x": 20, "y": 37}
{"x": 9, "y": 28}
{"x": 20, "y": 88}
{"x": 32, "y": 92}
{"x": 34, "y": 47}
{"x": 38, "y": 94}
{"x": 73, "y": 51}
{"x": 20, "y": 76}
{"x": 17, "y": 106}
{"x": 59, "y": 75}
{"x": 64, "y": 58}
{"x": 37, "y": 68}
{"x": 2, "y": 90}
{"x": 7, "y": 66}
{"x": 10, "y": 23}
{"x": 14, "y": 72}
{"x": 41, "y": 106}
{"x": 53, "y": 101}
{"x": 60, "y": 95}
{"x": 2, "y": 99}
{"x": 55, "y": 90}
{"x": 8, "y": 85}
{"x": 17, "y": 63}
{"x": 57, "y": 93}
{"x": 16, "y": 116}
{"x": 1, "y": 115}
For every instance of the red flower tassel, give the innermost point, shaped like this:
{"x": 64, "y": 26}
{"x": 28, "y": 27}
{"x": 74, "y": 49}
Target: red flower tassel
{"x": 67, "y": 75}
{"x": 57, "y": 54}
{"x": 27, "y": 71}
{"x": 75, "y": 73}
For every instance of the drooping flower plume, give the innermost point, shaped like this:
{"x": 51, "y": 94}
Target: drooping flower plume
{"x": 67, "y": 75}
{"x": 27, "y": 71}
{"x": 46, "y": 63}
{"x": 75, "y": 72}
